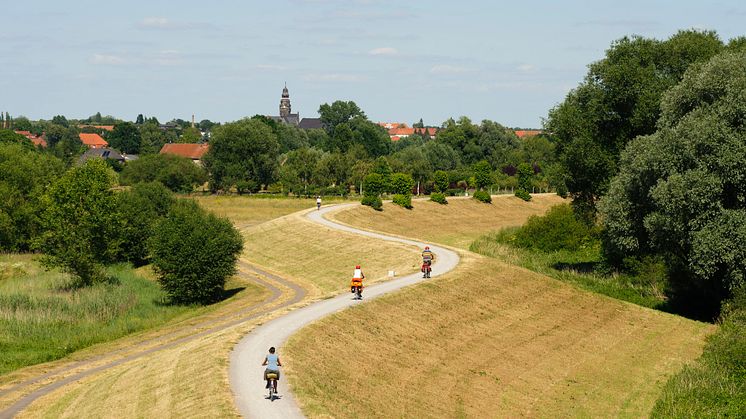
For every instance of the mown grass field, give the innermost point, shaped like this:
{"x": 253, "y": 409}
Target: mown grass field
{"x": 487, "y": 340}
{"x": 191, "y": 380}
{"x": 457, "y": 223}
{"x": 323, "y": 259}
{"x": 247, "y": 211}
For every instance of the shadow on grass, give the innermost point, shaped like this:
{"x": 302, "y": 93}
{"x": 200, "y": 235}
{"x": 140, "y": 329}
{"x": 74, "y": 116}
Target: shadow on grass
{"x": 580, "y": 267}
{"x": 222, "y": 296}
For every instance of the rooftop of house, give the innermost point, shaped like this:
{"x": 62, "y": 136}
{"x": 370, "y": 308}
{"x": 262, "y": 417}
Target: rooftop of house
{"x": 92, "y": 140}
{"x": 523, "y": 133}
{"x": 189, "y": 150}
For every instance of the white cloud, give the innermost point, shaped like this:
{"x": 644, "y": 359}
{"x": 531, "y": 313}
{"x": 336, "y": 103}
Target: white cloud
{"x": 383, "y": 51}
{"x": 103, "y": 59}
{"x": 527, "y": 68}
{"x": 333, "y": 77}
{"x": 448, "y": 69}
{"x": 155, "y": 22}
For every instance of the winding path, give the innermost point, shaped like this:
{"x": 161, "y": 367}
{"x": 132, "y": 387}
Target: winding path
{"x": 245, "y": 369}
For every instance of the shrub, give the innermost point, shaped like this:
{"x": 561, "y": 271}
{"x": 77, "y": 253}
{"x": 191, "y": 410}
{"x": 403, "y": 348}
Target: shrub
{"x": 404, "y": 201}
{"x": 193, "y": 253}
{"x": 402, "y": 183}
{"x": 559, "y": 229}
{"x": 374, "y": 184}
{"x": 177, "y": 173}
{"x": 440, "y": 181}
{"x": 373, "y": 202}
{"x": 140, "y": 209}
{"x": 524, "y": 195}
{"x": 438, "y": 197}
{"x": 482, "y": 196}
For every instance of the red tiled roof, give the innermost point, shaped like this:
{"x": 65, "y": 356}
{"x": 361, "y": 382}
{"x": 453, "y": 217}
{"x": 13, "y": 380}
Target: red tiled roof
{"x": 188, "y": 150}
{"x": 103, "y": 127}
{"x": 92, "y": 140}
{"x": 401, "y": 131}
{"x": 39, "y": 142}
{"x": 389, "y": 125}
{"x": 431, "y": 131}
{"x": 528, "y": 133}
{"x": 394, "y": 138}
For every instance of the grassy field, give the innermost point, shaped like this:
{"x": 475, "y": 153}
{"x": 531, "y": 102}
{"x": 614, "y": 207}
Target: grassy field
{"x": 457, "y": 224}
{"x": 191, "y": 380}
{"x": 523, "y": 343}
{"x": 490, "y": 340}
{"x": 323, "y": 259}
{"x": 247, "y": 211}
{"x": 42, "y": 320}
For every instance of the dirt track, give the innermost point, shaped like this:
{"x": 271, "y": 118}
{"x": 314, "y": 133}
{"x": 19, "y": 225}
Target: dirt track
{"x": 245, "y": 368}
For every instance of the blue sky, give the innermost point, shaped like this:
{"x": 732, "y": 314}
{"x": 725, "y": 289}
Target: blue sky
{"x": 399, "y": 61}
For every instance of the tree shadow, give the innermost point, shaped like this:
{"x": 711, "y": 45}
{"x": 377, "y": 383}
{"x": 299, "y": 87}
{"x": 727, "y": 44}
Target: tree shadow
{"x": 580, "y": 267}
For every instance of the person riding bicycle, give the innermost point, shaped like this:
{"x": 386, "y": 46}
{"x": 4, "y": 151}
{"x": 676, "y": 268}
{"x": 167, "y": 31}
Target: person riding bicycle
{"x": 318, "y": 202}
{"x": 272, "y": 361}
{"x": 427, "y": 256}
{"x": 357, "y": 278}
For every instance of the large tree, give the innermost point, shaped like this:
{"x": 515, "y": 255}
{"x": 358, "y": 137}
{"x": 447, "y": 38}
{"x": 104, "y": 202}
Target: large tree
{"x": 337, "y": 113}
{"x": 245, "y": 150}
{"x": 80, "y": 222}
{"x": 126, "y": 138}
{"x": 619, "y": 100}
{"x": 681, "y": 192}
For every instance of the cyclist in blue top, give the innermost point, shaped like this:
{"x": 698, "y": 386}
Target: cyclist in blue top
{"x": 272, "y": 361}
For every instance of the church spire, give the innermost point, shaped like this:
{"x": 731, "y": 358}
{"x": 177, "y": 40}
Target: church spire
{"x": 285, "y": 102}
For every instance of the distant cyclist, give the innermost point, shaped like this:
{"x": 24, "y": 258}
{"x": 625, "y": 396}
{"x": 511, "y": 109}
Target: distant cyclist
{"x": 427, "y": 260}
{"x": 318, "y": 202}
{"x": 272, "y": 361}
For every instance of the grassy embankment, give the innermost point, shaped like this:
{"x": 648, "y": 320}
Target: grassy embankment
{"x": 191, "y": 379}
{"x": 489, "y": 339}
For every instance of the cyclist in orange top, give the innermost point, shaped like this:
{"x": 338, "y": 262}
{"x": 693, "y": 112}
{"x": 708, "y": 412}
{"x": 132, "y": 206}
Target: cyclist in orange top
{"x": 356, "y": 284}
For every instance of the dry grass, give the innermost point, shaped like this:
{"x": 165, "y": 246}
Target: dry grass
{"x": 191, "y": 380}
{"x": 490, "y": 340}
{"x": 247, "y": 211}
{"x": 458, "y": 223}
{"x": 323, "y": 259}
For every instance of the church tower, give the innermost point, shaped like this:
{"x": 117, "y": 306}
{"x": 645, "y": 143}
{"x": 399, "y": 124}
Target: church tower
{"x": 285, "y": 103}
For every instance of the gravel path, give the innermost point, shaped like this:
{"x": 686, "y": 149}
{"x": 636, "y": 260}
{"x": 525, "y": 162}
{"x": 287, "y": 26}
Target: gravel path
{"x": 245, "y": 363}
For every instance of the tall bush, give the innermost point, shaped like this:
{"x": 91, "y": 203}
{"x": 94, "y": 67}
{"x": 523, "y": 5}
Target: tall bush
{"x": 193, "y": 253}
{"x": 140, "y": 209}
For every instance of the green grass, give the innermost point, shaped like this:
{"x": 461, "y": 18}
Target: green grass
{"x": 43, "y": 319}
{"x": 715, "y": 387}
{"x": 578, "y": 267}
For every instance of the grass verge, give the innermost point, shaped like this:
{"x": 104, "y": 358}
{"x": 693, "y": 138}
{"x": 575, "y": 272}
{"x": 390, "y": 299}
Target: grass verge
{"x": 577, "y": 267}
{"x": 43, "y": 320}
{"x": 714, "y": 387}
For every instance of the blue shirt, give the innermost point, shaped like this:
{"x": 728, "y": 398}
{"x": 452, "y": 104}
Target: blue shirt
{"x": 272, "y": 362}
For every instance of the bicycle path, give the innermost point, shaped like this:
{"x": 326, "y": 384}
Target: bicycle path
{"x": 245, "y": 370}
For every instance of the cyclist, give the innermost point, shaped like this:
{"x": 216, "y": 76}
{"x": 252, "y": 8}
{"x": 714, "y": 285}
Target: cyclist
{"x": 427, "y": 260}
{"x": 356, "y": 284}
{"x": 272, "y": 361}
{"x": 318, "y": 202}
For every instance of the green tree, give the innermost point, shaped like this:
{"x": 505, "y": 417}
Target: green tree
{"x": 25, "y": 174}
{"x": 177, "y": 173}
{"x": 61, "y": 121}
{"x": 140, "y": 208}
{"x": 402, "y": 183}
{"x": 482, "y": 174}
{"x": 80, "y": 222}
{"x": 190, "y": 135}
{"x": 126, "y": 138}
{"x": 680, "y": 192}
{"x": 243, "y": 150}
{"x": 193, "y": 252}
{"x": 441, "y": 181}
{"x": 297, "y": 169}
{"x": 152, "y": 138}
{"x": 374, "y": 184}
{"x": 338, "y": 112}
{"x": 21, "y": 123}
{"x": 619, "y": 100}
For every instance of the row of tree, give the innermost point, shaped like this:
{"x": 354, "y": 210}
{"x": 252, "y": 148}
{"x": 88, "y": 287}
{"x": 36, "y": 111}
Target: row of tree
{"x": 656, "y": 132}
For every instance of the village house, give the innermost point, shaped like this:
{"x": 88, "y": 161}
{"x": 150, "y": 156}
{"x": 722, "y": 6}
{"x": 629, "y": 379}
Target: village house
{"x": 192, "y": 151}
{"x": 92, "y": 140}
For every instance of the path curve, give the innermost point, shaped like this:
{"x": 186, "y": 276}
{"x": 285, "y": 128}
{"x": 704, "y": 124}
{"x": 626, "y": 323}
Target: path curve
{"x": 245, "y": 369}
{"x": 59, "y": 378}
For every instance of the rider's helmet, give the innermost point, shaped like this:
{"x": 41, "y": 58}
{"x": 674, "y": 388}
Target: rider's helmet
{"x": 357, "y": 267}
{"x": 427, "y": 247}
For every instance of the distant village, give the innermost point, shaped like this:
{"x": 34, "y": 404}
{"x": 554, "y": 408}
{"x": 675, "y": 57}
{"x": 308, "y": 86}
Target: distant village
{"x": 98, "y": 147}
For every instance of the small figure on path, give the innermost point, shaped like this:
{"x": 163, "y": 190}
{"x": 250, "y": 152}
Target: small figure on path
{"x": 318, "y": 202}
{"x": 356, "y": 285}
